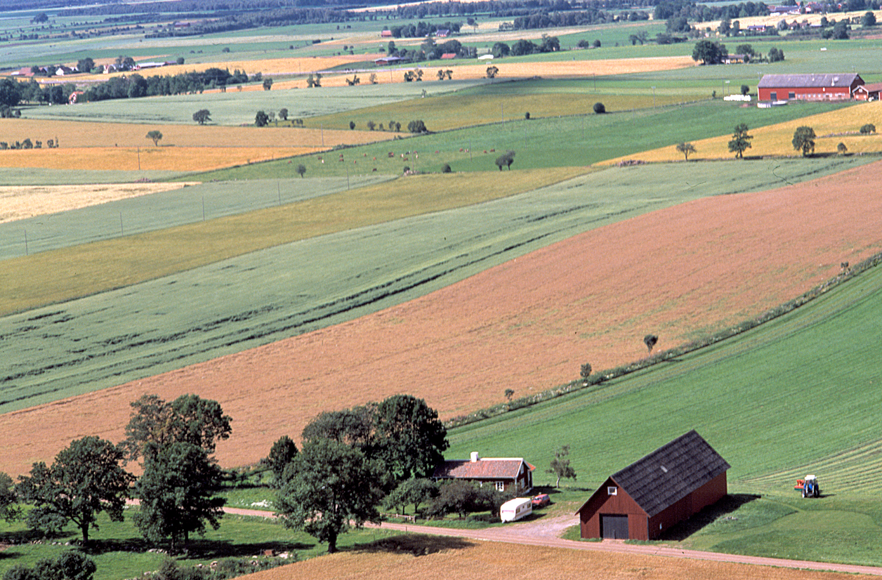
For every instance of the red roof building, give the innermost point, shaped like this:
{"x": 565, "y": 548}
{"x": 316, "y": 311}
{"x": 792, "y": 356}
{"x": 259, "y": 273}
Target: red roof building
{"x": 504, "y": 473}
{"x": 652, "y": 495}
{"x": 868, "y": 92}
{"x": 811, "y": 87}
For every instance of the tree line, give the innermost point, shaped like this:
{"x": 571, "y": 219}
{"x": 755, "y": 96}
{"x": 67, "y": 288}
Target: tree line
{"x": 352, "y": 463}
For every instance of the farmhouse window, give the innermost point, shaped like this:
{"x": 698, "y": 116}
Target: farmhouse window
{"x": 791, "y": 95}
{"x": 612, "y": 490}
{"x": 773, "y": 96}
{"x": 500, "y": 486}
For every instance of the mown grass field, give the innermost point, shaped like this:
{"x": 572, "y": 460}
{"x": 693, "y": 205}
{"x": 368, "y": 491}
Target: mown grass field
{"x": 763, "y": 404}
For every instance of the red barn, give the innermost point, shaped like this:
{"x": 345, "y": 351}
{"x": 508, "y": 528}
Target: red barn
{"x": 646, "y": 498}
{"x": 814, "y": 87}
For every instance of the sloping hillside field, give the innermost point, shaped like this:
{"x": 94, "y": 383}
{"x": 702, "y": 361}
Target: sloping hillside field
{"x": 527, "y": 324}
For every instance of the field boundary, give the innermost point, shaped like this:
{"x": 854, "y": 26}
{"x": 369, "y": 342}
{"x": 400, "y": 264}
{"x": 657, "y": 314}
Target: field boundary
{"x": 666, "y": 355}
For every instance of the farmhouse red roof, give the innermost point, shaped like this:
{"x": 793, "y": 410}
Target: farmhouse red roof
{"x": 484, "y": 468}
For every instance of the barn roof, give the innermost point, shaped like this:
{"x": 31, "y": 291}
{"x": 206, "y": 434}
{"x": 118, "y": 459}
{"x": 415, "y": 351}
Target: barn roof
{"x": 809, "y": 81}
{"x": 670, "y": 473}
{"x": 483, "y": 468}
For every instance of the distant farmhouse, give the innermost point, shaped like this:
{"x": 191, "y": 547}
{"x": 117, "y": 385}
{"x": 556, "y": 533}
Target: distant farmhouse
{"x": 646, "y": 498}
{"x": 506, "y": 474}
{"x": 810, "y": 87}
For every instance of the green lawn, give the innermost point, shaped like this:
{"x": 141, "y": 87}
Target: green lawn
{"x": 119, "y": 552}
{"x": 764, "y": 403}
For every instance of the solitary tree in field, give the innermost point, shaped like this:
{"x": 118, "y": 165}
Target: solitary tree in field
{"x": 267, "y": 84}
{"x": 560, "y": 465}
{"x": 202, "y": 116}
{"x": 585, "y": 371}
{"x": 599, "y": 108}
{"x": 868, "y": 129}
{"x": 509, "y": 393}
{"x": 261, "y": 119}
{"x": 744, "y": 90}
{"x": 650, "y": 340}
{"x": 841, "y": 148}
{"x": 804, "y": 140}
{"x": 301, "y": 169}
{"x": 686, "y": 149}
{"x": 740, "y": 141}
{"x": 492, "y": 71}
{"x": 283, "y": 114}
{"x": 156, "y": 136}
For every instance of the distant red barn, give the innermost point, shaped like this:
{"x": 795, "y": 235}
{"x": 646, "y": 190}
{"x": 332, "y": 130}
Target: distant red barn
{"x": 811, "y": 87}
{"x": 868, "y": 92}
{"x": 646, "y": 498}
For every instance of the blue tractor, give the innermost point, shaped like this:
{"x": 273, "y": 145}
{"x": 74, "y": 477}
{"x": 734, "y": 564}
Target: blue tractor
{"x": 809, "y": 486}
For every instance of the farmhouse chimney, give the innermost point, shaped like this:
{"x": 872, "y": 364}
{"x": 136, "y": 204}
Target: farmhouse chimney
{"x": 475, "y": 457}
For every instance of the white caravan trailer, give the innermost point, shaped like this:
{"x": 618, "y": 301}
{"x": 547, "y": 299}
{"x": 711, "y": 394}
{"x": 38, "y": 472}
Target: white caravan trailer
{"x": 516, "y": 509}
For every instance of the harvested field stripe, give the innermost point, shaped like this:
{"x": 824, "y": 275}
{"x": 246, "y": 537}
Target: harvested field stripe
{"x": 69, "y": 273}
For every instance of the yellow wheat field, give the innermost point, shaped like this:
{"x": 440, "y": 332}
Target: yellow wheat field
{"x": 145, "y": 158}
{"x": 94, "y": 134}
{"x": 509, "y": 70}
{"x": 459, "y": 559}
{"x": 831, "y": 128}
{"x": 125, "y": 147}
{"x": 20, "y": 202}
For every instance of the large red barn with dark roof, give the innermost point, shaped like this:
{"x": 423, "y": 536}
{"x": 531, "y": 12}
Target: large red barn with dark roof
{"x": 646, "y": 498}
{"x": 810, "y": 87}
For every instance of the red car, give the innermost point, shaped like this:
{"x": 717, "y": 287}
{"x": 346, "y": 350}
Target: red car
{"x": 541, "y": 500}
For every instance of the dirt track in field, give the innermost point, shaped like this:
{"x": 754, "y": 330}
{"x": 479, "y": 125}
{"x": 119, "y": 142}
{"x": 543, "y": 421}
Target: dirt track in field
{"x": 527, "y": 325}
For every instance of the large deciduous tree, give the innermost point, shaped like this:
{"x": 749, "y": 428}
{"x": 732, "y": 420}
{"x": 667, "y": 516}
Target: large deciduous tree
{"x": 333, "y": 488}
{"x": 202, "y": 116}
{"x": 156, "y": 423}
{"x": 709, "y": 52}
{"x": 408, "y": 437}
{"x": 176, "y": 440}
{"x": 804, "y": 140}
{"x": 85, "y": 479}
{"x": 177, "y": 492}
{"x": 740, "y": 141}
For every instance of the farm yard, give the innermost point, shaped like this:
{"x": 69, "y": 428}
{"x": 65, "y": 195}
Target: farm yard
{"x": 332, "y": 258}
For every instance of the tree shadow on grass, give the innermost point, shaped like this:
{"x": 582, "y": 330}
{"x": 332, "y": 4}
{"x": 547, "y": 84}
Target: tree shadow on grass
{"x": 213, "y": 549}
{"x": 414, "y": 544}
{"x": 707, "y": 516}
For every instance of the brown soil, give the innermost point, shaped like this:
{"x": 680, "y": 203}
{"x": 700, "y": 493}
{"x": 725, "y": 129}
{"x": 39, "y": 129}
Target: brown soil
{"x": 526, "y": 325}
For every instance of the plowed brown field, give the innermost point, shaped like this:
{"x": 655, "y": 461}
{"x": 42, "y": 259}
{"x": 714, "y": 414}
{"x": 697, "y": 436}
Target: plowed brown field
{"x": 461, "y": 559}
{"x": 526, "y": 325}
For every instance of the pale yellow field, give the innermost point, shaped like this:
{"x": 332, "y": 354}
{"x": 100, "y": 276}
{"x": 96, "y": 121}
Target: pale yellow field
{"x": 146, "y": 158}
{"x": 773, "y": 19}
{"x": 20, "y": 202}
{"x": 89, "y": 134}
{"x": 460, "y": 559}
{"x": 831, "y": 128}
{"x": 122, "y": 146}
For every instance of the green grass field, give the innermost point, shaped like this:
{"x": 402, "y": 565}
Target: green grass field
{"x": 763, "y": 401}
{"x": 225, "y": 307}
